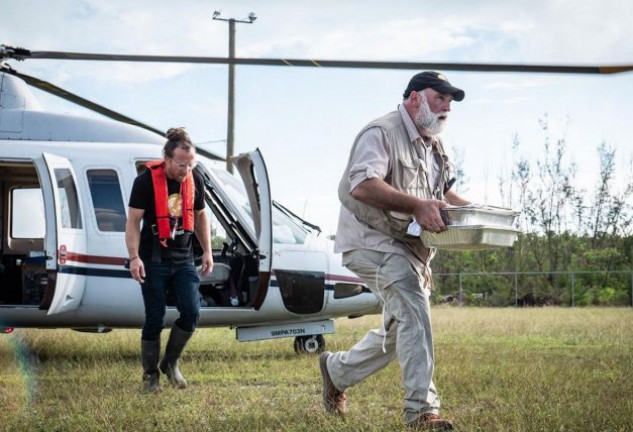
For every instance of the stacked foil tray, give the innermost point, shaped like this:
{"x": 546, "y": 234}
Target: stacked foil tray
{"x": 474, "y": 227}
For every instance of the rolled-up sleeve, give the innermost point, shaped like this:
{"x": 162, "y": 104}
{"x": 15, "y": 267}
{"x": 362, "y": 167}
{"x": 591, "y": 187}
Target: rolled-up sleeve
{"x": 370, "y": 158}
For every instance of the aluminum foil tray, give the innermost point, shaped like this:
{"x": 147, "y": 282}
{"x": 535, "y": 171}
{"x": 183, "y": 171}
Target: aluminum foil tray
{"x": 475, "y": 214}
{"x": 471, "y": 237}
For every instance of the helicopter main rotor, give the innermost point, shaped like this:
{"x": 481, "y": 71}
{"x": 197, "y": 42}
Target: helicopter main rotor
{"x": 20, "y": 54}
{"x": 23, "y": 54}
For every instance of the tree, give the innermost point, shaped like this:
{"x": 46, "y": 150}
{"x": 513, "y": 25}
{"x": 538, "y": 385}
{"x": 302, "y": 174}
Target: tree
{"x": 563, "y": 228}
{"x": 612, "y": 212}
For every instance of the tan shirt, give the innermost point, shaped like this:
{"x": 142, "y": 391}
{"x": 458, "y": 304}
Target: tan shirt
{"x": 371, "y": 160}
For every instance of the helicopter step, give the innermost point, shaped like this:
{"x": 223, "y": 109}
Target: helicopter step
{"x": 245, "y": 334}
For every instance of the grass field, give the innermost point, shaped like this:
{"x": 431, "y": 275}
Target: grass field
{"x": 497, "y": 370}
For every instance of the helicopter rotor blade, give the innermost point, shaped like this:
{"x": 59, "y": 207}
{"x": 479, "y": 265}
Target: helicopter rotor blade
{"x": 208, "y": 154}
{"x": 22, "y": 54}
{"x": 64, "y": 94}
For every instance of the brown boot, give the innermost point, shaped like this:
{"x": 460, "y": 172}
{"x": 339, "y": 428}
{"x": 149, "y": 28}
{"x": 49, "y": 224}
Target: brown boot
{"x": 430, "y": 422}
{"x": 334, "y": 400}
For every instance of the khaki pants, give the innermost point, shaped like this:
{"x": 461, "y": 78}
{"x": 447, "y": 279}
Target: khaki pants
{"x": 406, "y": 335}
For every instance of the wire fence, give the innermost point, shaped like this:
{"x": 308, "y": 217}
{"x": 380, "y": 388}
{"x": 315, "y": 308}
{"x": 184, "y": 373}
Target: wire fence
{"x": 560, "y": 288}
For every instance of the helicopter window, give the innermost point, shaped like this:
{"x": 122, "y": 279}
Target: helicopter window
{"x": 69, "y": 203}
{"x": 285, "y": 229}
{"x": 140, "y": 167}
{"x": 218, "y": 233}
{"x": 107, "y": 199}
{"x": 234, "y": 189}
{"x": 27, "y": 213}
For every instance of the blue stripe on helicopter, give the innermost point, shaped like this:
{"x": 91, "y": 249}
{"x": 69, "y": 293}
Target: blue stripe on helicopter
{"x": 125, "y": 274}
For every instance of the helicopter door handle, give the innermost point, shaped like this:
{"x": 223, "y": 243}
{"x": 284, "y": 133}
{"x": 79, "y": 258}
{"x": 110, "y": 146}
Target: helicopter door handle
{"x": 62, "y": 254}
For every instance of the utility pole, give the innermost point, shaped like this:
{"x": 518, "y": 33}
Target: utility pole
{"x": 230, "y": 126}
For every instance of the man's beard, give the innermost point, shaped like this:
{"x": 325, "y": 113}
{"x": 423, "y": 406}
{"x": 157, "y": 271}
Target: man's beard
{"x": 427, "y": 120}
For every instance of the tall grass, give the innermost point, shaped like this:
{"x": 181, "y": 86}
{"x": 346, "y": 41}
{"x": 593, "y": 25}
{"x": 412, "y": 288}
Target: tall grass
{"x": 497, "y": 370}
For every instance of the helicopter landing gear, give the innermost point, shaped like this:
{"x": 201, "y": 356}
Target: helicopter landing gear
{"x": 314, "y": 344}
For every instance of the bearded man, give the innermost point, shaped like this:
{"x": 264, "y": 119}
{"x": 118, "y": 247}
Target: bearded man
{"x": 397, "y": 173}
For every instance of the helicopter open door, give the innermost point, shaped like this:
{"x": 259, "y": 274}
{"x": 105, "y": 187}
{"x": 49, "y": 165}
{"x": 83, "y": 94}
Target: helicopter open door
{"x": 70, "y": 236}
{"x": 252, "y": 169}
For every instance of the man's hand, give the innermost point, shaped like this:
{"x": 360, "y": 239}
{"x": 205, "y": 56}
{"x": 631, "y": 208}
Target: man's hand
{"x": 137, "y": 270}
{"x": 377, "y": 193}
{"x": 203, "y": 232}
{"x": 427, "y": 214}
{"x": 132, "y": 240}
{"x": 207, "y": 263}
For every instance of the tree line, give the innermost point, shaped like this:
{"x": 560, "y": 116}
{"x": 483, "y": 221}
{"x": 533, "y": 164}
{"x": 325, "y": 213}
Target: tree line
{"x": 565, "y": 228}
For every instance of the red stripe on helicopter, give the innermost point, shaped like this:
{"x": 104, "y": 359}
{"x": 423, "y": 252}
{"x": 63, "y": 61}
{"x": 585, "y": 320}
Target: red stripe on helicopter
{"x": 94, "y": 259}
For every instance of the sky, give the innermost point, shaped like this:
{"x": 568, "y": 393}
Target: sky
{"x": 304, "y": 120}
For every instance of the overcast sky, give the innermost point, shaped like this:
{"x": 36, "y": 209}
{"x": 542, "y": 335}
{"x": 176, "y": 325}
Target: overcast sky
{"x": 304, "y": 120}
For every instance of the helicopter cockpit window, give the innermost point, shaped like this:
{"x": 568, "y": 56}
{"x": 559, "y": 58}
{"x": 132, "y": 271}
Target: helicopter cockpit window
{"x": 107, "y": 200}
{"x": 69, "y": 203}
{"x": 285, "y": 229}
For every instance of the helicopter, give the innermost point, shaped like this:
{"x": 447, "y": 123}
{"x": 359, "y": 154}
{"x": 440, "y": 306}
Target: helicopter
{"x": 65, "y": 184}
{"x": 65, "y": 181}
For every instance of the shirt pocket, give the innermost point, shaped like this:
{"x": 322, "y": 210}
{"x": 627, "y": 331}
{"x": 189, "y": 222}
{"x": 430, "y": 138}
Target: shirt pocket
{"x": 412, "y": 176}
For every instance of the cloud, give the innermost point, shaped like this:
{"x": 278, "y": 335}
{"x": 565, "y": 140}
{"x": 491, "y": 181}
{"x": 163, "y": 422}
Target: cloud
{"x": 518, "y": 85}
{"x": 393, "y": 39}
{"x": 503, "y": 100}
{"x": 326, "y": 108}
{"x": 563, "y": 31}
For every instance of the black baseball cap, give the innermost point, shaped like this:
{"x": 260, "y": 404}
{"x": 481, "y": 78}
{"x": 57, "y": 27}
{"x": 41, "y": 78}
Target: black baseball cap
{"x": 436, "y": 81}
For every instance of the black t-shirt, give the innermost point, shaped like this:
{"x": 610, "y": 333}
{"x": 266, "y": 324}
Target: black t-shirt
{"x": 179, "y": 248}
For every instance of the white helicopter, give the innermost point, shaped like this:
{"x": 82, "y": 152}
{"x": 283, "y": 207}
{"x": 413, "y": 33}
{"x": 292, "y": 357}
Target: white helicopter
{"x": 64, "y": 185}
{"x": 65, "y": 182}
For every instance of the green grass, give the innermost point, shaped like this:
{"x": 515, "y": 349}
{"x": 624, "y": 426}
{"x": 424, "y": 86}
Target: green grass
{"x": 497, "y": 370}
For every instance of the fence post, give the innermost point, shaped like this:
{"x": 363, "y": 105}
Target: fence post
{"x": 461, "y": 300}
{"x": 516, "y": 290}
{"x": 573, "y": 288}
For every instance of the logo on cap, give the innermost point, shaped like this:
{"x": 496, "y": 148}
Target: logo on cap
{"x": 442, "y": 77}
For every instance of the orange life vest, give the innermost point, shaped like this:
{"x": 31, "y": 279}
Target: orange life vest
{"x": 187, "y": 192}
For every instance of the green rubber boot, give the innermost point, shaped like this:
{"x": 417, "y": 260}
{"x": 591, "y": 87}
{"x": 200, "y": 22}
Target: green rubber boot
{"x": 150, "y": 352}
{"x": 178, "y": 338}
